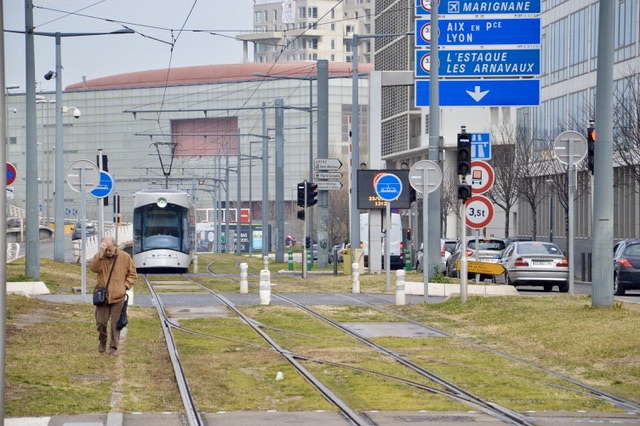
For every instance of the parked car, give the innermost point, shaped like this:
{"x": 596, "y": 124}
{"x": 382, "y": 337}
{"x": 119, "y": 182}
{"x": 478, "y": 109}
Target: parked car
{"x": 489, "y": 250}
{"x": 626, "y": 266}
{"x": 536, "y": 263}
{"x": 337, "y": 250}
{"x": 77, "y": 230}
{"x": 446, "y": 247}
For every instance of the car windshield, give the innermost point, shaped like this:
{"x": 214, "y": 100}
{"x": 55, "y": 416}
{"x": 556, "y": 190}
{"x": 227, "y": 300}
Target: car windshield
{"x": 538, "y": 249}
{"x": 487, "y": 244}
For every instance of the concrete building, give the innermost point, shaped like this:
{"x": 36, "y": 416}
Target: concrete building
{"x": 307, "y": 30}
{"x": 186, "y": 128}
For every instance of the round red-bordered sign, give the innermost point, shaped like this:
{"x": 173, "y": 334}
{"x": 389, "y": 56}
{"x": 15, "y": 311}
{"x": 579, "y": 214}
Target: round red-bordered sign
{"x": 481, "y": 177}
{"x": 11, "y": 173}
{"x": 478, "y": 212}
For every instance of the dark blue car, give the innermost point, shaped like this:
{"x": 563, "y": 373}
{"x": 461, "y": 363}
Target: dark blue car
{"x": 626, "y": 266}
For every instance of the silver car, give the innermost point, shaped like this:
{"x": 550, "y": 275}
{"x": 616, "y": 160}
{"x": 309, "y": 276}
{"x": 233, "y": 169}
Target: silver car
{"x": 536, "y": 263}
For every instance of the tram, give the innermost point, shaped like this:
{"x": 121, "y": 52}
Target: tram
{"x": 163, "y": 230}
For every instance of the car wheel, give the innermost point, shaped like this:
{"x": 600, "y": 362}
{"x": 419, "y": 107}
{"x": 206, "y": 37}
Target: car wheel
{"x": 547, "y": 287}
{"x": 618, "y": 288}
{"x": 507, "y": 279}
{"x": 563, "y": 287}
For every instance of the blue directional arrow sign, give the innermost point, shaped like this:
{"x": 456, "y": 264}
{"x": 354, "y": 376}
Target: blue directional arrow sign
{"x": 481, "y": 146}
{"x": 485, "y": 7}
{"x": 479, "y": 63}
{"x": 481, "y": 92}
{"x": 466, "y": 32}
{"x": 105, "y": 187}
{"x": 388, "y": 187}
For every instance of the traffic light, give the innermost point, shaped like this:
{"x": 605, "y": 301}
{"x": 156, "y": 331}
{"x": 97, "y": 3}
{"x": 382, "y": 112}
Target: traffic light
{"x": 412, "y": 195}
{"x": 312, "y": 193}
{"x": 307, "y": 242}
{"x": 591, "y": 146}
{"x": 301, "y": 214}
{"x": 408, "y": 234}
{"x": 464, "y": 192}
{"x": 464, "y": 153}
{"x": 302, "y": 189}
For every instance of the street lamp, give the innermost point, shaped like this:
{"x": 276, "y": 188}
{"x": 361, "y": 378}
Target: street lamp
{"x": 58, "y": 247}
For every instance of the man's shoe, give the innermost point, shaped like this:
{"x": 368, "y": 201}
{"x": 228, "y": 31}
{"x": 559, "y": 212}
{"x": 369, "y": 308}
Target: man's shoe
{"x": 113, "y": 352}
{"x": 102, "y": 347}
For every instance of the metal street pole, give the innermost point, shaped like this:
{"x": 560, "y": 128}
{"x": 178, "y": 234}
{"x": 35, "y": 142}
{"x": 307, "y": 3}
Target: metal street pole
{"x": 279, "y": 180}
{"x": 3, "y": 219}
{"x": 354, "y": 234}
{"x": 265, "y": 184}
{"x": 323, "y": 152}
{"x": 602, "y": 224}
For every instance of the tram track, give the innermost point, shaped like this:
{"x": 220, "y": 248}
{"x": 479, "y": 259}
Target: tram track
{"x": 447, "y": 388}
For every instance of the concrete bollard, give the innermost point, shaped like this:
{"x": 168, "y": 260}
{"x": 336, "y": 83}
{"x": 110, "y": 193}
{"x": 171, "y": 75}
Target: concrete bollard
{"x": 355, "y": 276}
{"x": 266, "y": 262}
{"x": 131, "y": 297}
{"x": 265, "y": 287}
{"x": 244, "y": 283}
{"x": 400, "y": 294}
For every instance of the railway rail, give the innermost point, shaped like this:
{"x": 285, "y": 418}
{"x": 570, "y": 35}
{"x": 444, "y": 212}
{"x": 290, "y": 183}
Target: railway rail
{"x": 441, "y": 386}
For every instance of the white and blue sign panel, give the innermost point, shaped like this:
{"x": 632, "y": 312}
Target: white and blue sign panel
{"x": 481, "y": 92}
{"x": 388, "y": 186}
{"x": 484, "y": 7}
{"x": 481, "y": 146}
{"x": 105, "y": 187}
{"x": 480, "y": 63}
{"x": 467, "y": 32}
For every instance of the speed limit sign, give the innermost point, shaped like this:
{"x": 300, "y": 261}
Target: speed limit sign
{"x": 478, "y": 212}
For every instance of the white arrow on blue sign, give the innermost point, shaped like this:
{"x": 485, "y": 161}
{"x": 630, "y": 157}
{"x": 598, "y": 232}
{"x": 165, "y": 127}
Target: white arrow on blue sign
{"x": 105, "y": 187}
{"x": 480, "y": 63}
{"x": 485, "y": 7}
{"x": 388, "y": 186}
{"x": 466, "y": 32}
{"x": 481, "y": 92}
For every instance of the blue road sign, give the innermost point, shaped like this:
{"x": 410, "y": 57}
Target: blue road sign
{"x": 481, "y": 146}
{"x": 105, "y": 186}
{"x": 481, "y": 92}
{"x": 484, "y": 7}
{"x": 466, "y": 32}
{"x": 478, "y": 63}
{"x": 388, "y": 187}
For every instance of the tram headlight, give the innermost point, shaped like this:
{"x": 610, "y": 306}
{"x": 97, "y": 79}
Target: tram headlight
{"x": 162, "y": 202}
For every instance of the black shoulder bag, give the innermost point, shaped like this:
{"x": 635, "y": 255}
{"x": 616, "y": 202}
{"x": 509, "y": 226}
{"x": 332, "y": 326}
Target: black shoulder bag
{"x": 123, "y": 320}
{"x": 100, "y": 294}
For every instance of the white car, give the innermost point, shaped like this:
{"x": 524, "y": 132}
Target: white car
{"x": 444, "y": 255}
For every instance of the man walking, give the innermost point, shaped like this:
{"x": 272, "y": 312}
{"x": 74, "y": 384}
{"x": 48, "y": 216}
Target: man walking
{"x": 117, "y": 273}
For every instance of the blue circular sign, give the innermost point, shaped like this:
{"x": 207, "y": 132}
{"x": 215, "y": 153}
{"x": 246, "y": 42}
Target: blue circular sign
{"x": 388, "y": 186}
{"x": 105, "y": 187}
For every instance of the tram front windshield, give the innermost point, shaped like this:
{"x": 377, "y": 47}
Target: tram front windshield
{"x": 161, "y": 228}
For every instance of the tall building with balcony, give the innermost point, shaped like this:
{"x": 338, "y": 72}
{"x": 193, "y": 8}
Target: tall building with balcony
{"x": 296, "y": 31}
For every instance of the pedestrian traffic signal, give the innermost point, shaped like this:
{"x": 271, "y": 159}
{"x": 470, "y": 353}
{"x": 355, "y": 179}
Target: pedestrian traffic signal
{"x": 302, "y": 189}
{"x": 464, "y": 192}
{"x": 307, "y": 242}
{"x": 301, "y": 214}
{"x": 464, "y": 153}
{"x": 591, "y": 147}
{"x": 312, "y": 194}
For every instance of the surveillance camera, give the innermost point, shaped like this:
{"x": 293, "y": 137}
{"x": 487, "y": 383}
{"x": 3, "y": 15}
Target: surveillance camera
{"x": 49, "y": 75}
{"x": 76, "y": 113}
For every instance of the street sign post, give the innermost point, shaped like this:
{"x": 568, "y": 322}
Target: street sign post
{"x": 570, "y": 148}
{"x": 486, "y": 32}
{"x": 478, "y": 63}
{"x": 481, "y": 92}
{"x": 388, "y": 187}
{"x": 425, "y": 176}
{"x": 485, "y": 268}
{"x": 327, "y": 175}
{"x": 328, "y": 185}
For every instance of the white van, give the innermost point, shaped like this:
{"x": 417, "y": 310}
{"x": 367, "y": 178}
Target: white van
{"x": 396, "y": 252}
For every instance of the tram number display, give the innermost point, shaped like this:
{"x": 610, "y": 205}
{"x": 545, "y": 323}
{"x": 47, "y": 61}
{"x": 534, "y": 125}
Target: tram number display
{"x": 478, "y": 212}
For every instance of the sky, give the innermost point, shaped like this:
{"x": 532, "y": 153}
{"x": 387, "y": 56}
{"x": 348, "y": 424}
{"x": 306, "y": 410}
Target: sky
{"x": 149, "y": 48}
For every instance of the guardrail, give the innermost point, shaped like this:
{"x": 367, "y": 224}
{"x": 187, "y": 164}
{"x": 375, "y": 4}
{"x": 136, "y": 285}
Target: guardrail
{"x": 124, "y": 237}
